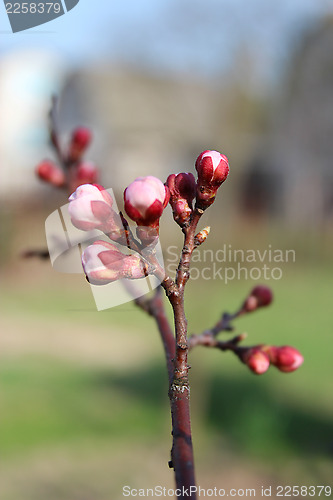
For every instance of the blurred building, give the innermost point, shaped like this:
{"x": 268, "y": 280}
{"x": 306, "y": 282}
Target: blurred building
{"x": 143, "y": 123}
{"x": 298, "y": 155}
{"x": 27, "y": 80}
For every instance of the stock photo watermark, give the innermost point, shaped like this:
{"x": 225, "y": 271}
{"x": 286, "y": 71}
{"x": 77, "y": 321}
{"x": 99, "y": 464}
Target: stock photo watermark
{"x": 109, "y": 254}
{"x": 23, "y": 14}
{"x": 228, "y": 263}
{"x": 262, "y": 491}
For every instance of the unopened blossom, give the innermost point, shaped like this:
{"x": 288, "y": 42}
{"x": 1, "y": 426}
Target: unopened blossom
{"x": 145, "y": 199}
{"x": 213, "y": 169}
{"x": 182, "y": 189}
{"x": 104, "y": 263}
{"x": 50, "y": 172}
{"x": 260, "y": 296}
{"x": 286, "y": 358}
{"x": 256, "y": 359}
{"x": 80, "y": 141}
{"x": 85, "y": 172}
{"x": 90, "y": 207}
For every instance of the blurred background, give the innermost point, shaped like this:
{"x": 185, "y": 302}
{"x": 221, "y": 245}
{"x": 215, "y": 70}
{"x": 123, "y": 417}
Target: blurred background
{"x": 84, "y": 394}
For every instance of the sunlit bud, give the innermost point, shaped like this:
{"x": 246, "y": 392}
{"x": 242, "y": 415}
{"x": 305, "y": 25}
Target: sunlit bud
{"x": 80, "y": 141}
{"x": 103, "y": 263}
{"x": 286, "y": 358}
{"x": 145, "y": 199}
{"x": 213, "y": 169}
{"x": 182, "y": 189}
{"x": 260, "y": 296}
{"x": 201, "y": 236}
{"x": 90, "y": 207}
{"x": 256, "y": 360}
{"x": 49, "y": 172}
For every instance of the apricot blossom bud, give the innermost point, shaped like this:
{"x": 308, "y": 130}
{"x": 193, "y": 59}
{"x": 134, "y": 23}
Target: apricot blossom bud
{"x": 87, "y": 173}
{"x": 256, "y": 359}
{"x": 50, "y": 172}
{"x": 145, "y": 199}
{"x": 182, "y": 189}
{"x": 90, "y": 207}
{"x": 103, "y": 263}
{"x": 286, "y": 358}
{"x": 213, "y": 169}
{"x": 80, "y": 141}
{"x": 260, "y": 296}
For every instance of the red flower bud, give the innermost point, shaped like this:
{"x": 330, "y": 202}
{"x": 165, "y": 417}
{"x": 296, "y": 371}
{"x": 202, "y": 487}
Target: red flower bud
{"x": 103, "y": 263}
{"x": 213, "y": 169}
{"x": 87, "y": 173}
{"x": 260, "y": 296}
{"x": 182, "y": 189}
{"x": 83, "y": 173}
{"x": 286, "y": 358}
{"x": 145, "y": 199}
{"x": 256, "y": 359}
{"x": 80, "y": 141}
{"x": 49, "y": 172}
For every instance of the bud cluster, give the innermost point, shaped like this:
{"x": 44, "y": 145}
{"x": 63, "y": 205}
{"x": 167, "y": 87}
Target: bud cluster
{"x": 212, "y": 168}
{"x": 91, "y": 207}
{"x": 259, "y": 358}
{"x": 74, "y": 170}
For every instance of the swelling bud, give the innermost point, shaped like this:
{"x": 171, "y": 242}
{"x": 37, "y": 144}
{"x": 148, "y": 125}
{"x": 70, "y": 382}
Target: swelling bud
{"x": 260, "y": 296}
{"x": 80, "y": 140}
{"x": 145, "y": 199}
{"x": 256, "y": 359}
{"x": 90, "y": 207}
{"x": 286, "y": 358}
{"x": 49, "y": 172}
{"x": 85, "y": 172}
{"x": 103, "y": 263}
{"x": 213, "y": 169}
{"x": 182, "y": 189}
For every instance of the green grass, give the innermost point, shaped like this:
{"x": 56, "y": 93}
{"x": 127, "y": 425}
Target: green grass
{"x": 47, "y": 402}
{"x": 277, "y": 418}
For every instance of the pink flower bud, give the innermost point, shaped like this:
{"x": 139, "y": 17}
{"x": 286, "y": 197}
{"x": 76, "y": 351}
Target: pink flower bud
{"x": 49, "y": 172}
{"x": 87, "y": 173}
{"x": 213, "y": 169}
{"x": 90, "y": 207}
{"x": 256, "y": 360}
{"x": 286, "y": 358}
{"x": 84, "y": 173}
{"x": 260, "y": 296}
{"x": 145, "y": 199}
{"x": 103, "y": 263}
{"x": 182, "y": 189}
{"x": 80, "y": 141}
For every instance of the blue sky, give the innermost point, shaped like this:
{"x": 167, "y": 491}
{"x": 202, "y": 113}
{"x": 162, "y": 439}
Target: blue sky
{"x": 186, "y": 36}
